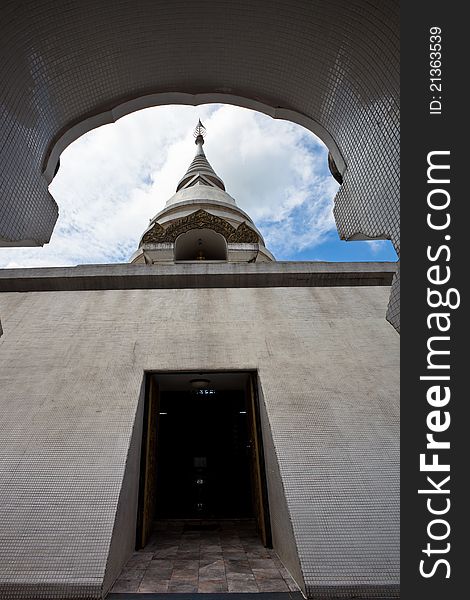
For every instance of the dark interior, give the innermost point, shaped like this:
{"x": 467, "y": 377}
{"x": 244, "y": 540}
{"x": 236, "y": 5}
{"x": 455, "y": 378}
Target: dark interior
{"x": 200, "y": 244}
{"x": 203, "y": 455}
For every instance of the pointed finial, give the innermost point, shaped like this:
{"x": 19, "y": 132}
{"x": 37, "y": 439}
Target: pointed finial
{"x": 199, "y": 133}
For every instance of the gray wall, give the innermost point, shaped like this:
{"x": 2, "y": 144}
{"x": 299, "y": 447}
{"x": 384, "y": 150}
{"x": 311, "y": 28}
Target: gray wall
{"x": 71, "y": 370}
{"x": 124, "y": 532}
{"x": 280, "y": 518}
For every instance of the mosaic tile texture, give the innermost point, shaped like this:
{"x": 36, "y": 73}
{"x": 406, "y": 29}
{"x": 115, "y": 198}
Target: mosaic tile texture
{"x": 71, "y": 370}
{"x": 330, "y": 66}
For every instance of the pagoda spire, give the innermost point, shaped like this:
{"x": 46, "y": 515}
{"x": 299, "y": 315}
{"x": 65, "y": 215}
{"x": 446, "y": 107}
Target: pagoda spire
{"x": 200, "y": 168}
{"x": 199, "y": 133}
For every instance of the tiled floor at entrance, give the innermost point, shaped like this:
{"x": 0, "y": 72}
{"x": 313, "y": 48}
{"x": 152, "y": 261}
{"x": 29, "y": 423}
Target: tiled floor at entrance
{"x": 204, "y": 556}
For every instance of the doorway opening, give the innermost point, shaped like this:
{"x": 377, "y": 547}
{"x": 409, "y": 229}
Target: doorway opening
{"x": 200, "y": 244}
{"x": 202, "y": 456}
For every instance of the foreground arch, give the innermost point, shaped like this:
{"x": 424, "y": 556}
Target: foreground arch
{"x": 332, "y": 67}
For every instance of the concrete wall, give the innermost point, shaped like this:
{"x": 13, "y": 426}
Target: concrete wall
{"x": 280, "y": 518}
{"x": 71, "y": 370}
{"x": 124, "y": 531}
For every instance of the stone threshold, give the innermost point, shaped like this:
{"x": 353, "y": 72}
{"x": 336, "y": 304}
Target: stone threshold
{"x": 206, "y": 596}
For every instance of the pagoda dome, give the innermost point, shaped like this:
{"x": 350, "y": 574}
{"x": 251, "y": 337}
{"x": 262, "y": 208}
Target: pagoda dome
{"x": 201, "y": 221}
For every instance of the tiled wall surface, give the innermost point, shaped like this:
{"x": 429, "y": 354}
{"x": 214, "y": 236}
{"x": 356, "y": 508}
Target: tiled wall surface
{"x": 71, "y": 370}
{"x": 332, "y": 66}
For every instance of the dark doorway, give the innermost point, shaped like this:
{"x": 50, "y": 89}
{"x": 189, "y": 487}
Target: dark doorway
{"x": 202, "y": 454}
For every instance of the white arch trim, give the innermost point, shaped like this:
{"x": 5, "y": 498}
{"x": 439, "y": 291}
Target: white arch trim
{"x": 166, "y": 98}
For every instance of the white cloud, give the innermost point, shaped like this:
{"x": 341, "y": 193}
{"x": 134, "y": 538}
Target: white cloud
{"x": 115, "y": 178}
{"x": 377, "y": 246}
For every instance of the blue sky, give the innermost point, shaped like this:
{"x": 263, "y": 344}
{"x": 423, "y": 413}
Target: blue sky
{"x": 115, "y": 178}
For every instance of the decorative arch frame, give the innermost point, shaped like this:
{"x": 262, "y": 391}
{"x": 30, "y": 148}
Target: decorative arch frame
{"x": 200, "y": 219}
{"x": 332, "y": 67}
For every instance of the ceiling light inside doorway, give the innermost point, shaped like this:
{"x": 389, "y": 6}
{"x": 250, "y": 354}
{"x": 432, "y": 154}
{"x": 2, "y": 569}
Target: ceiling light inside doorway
{"x": 199, "y": 384}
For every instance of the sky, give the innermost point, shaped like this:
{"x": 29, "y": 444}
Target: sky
{"x": 115, "y": 178}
